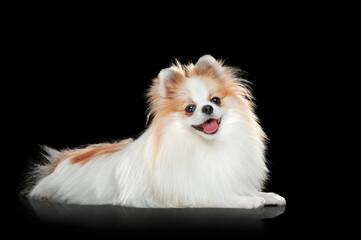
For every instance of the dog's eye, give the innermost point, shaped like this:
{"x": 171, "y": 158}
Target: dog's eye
{"x": 216, "y": 100}
{"x": 190, "y": 108}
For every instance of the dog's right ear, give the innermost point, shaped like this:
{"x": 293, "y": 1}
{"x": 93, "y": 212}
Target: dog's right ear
{"x": 169, "y": 78}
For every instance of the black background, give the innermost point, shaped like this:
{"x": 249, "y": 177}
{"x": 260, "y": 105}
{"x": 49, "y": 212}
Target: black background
{"x": 78, "y": 74}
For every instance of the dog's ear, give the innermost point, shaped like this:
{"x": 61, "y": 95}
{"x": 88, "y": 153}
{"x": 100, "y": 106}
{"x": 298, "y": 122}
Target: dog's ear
{"x": 207, "y": 64}
{"x": 169, "y": 78}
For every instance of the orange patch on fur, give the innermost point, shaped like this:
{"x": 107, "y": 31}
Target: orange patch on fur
{"x": 84, "y": 155}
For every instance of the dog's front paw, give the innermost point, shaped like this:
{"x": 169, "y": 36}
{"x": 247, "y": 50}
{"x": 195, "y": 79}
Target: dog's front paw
{"x": 273, "y": 199}
{"x": 253, "y": 202}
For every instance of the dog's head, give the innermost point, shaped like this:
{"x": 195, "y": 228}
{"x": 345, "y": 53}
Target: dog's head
{"x": 197, "y": 96}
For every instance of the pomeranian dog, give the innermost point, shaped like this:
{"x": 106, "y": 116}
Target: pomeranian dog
{"x": 203, "y": 148}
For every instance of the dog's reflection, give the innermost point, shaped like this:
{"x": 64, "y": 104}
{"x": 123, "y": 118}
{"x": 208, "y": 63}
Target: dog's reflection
{"x": 123, "y": 218}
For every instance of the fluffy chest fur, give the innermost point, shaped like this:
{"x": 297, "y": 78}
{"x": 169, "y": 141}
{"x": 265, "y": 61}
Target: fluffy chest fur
{"x": 190, "y": 170}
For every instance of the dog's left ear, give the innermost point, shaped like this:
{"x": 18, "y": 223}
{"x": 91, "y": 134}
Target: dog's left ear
{"x": 207, "y": 64}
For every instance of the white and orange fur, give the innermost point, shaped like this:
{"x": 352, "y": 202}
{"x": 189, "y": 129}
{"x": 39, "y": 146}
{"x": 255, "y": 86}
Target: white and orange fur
{"x": 172, "y": 164}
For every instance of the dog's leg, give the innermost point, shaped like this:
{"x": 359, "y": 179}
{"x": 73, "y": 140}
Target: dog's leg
{"x": 272, "y": 198}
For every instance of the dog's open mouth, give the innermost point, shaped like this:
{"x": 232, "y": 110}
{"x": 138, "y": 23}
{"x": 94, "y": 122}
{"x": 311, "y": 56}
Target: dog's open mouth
{"x": 209, "y": 127}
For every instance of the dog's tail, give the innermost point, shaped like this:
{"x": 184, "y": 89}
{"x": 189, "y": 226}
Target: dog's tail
{"x": 40, "y": 169}
{"x": 52, "y": 157}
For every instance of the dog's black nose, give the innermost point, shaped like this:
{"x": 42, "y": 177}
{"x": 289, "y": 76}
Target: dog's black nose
{"x": 208, "y": 109}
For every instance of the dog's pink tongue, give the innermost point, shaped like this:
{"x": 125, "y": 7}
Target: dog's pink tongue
{"x": 210, "y": 126}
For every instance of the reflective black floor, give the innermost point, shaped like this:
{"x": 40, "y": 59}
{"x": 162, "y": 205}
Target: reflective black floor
{"x": 121, "y": 219}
